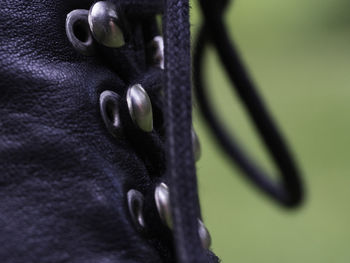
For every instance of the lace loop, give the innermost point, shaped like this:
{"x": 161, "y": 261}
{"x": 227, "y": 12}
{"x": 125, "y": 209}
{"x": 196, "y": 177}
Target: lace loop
{"x": 289, "y": 193}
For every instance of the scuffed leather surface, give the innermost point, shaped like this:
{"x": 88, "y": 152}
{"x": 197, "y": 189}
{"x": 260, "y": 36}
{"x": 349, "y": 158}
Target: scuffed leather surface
{"x": 63, "y": 177}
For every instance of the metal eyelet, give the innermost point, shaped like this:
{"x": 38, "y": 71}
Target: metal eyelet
{"x": 140, "y": 107}
{"x": 109, "y": 108}
{"x": 135, "y": 204}
{"x": 105, "y": 24}
{"x": 204, "y": 235}
{"x": 162, "y": 199}
{"x": 156, "y": 52}
{"x": 196, "y": 146}
{"x": 78, "y": 32}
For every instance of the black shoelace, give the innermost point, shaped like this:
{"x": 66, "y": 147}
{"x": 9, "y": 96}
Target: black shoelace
{"x": 178, "y": 108}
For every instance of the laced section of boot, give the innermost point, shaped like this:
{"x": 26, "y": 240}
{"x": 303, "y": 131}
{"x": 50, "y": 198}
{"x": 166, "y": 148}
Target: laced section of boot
{"x": 180, "y": 161}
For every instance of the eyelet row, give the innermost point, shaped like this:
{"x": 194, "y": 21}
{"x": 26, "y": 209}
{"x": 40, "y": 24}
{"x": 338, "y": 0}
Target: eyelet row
{"x": 140, "y": 111}
{"x": 139, "y": 106}
{"x": 104, "y": 24}
{"x": 162, "y": 201}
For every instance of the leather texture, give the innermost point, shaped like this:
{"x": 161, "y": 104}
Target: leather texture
{"x": 63, "y": 177}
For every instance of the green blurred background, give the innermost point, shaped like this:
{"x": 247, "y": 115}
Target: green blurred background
{"x": 299, "y": 54}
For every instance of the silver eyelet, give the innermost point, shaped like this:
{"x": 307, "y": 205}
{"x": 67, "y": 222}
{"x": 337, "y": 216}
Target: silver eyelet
{"x": 204, "y": 235}
{"x": 162, "y": 199}
{"x": 78, "y": 32}
{"x": 104, "y": 22}
{"x": 156, "y": 51}
{"x": 135, "y": 204}
{"x": 140, "y": 107}
{"x": 196, "y": 145}
{"x": 109, "y": 108}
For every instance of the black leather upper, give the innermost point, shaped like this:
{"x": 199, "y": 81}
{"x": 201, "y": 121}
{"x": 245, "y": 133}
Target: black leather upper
{"x": 63, "y": 177}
